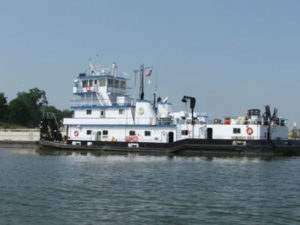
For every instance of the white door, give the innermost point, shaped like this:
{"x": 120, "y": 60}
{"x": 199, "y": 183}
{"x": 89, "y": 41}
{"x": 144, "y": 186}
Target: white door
{"x": 98, "y": 136}
{"x": 164, "y": 137}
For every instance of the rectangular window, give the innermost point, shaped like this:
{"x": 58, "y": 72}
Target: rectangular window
{"x": 102, "y": 82}
{"x": 105, "y": 132}
{"x": 84, "y": 83}
{"x": 184, "y": 132}
{"x": 123, "y": 84}
{"x": 91, "y": 83}
{"x": 88, "y": 112}
{"x": 110, "y": 83}
{"x": 121, "y": 111}
{"x": 236, "y": 130}
{"x": 95, "y": 82}
{"x": 117, "y": 83}
{"x": 132, "y": 132}
{"x": 147, "y": 133}
{"x": 88, "y": 132}
{"x": 102, "y": 113}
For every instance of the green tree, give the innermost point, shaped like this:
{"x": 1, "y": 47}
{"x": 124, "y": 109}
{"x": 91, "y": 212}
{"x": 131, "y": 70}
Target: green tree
{"x": 3, "y": 107}
{"x": 26, "y": 109}
{"x": 18, "y": 112}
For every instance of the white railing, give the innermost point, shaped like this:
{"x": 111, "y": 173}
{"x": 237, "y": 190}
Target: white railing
{"x": 84, "y": 90}
{"x": 93, "y": 89}
{"x": 96, "y": 103}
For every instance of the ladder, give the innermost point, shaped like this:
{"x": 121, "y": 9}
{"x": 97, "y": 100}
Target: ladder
{"x": 99, "y": 96}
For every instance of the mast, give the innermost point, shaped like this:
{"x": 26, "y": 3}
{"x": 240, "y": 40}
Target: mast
{"x": 154, "y": 100}
{"x": 113, "y": 73}
{"x": 155, "y": 93}
{"x": 135, "y": 83}
{"x": 142, "y": 82}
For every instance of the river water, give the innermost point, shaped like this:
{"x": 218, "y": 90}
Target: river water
{"x": 87, "y": 189}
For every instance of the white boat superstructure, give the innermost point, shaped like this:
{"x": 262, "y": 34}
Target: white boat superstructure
{"x": 103, "y": 111}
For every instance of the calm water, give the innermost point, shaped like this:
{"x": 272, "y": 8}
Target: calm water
{"x": 87, "y": 189}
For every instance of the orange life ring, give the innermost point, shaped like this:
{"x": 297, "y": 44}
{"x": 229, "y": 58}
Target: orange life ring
{"x": 76, "y": 133}
{"x": 249, "y": 131}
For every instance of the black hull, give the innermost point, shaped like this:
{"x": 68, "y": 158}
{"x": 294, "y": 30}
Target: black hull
{"x": 185, "y": 147}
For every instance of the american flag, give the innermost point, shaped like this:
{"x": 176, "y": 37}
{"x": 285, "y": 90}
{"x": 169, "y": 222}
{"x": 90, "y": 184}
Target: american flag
{"x": 148, "y": 74}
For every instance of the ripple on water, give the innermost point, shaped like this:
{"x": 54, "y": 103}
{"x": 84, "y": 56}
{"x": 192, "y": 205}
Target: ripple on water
{"x": 134, "y": 189}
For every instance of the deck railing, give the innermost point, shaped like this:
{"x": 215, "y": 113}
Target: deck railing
{"x": 96, "y": 103}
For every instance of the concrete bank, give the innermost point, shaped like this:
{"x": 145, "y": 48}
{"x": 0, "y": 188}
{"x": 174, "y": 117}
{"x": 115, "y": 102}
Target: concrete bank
{"x": 15, "y": 138}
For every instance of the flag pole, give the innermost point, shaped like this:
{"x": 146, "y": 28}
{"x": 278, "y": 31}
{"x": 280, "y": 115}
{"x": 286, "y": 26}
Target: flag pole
{"x": 142, "y": 82}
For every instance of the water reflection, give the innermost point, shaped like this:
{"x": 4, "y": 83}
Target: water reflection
{"x": 132, "y": 156}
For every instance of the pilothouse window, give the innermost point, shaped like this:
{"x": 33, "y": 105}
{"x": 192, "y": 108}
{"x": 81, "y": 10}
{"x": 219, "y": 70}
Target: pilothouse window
{"x": 123, "y": 84}
{"x": 88, "y": 112}
{"x": 117, "y": 82}
{"x": 102, "y": 82}
{"x": 110, "y": 83}
{"x": 84, "y": 83}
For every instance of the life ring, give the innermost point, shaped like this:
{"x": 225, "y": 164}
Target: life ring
{"x": 249, "y": 131}
{"x": 88, "y": 88}
{"x": 76, "y": 133}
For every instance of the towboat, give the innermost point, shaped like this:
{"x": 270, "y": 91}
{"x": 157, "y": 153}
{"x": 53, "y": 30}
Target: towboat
{"x": 106, "y": 118}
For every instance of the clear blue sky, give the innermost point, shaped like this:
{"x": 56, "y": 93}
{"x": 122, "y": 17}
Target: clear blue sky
{"x": 231, "y": 55}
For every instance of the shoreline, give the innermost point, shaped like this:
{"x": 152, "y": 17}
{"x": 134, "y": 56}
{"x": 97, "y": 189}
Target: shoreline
{"x": 18, "y": 144}
{"x": 19, "y": 138}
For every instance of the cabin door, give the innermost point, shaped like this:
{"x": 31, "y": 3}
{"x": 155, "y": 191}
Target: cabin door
{"x": 269, "y": 134}
{"x": 202, "y": 133}
{"x": 209, "y": 133}
{"x": 98, "y": 136}
{"x": 164, "y": 137}
{"x": 171, "y": 137}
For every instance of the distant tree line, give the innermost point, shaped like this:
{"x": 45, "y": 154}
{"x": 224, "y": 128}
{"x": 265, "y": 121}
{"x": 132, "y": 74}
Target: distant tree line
{"x": 28, "y": 108}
